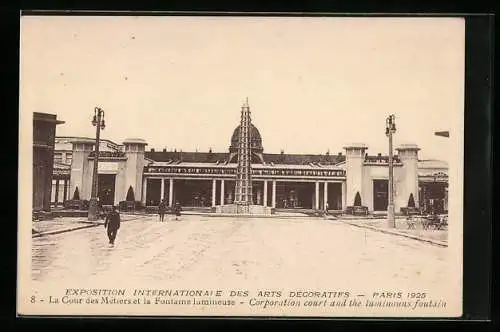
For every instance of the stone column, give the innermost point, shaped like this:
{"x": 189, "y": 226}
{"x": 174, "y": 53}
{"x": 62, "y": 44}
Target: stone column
{"x": 56, "y": 197}
{"x": 408, "y": 176}
{"x": 61, "y": 192}
{"x": 214, "y": 190}
{"x": 344, "y": 195}
{"x": 81, "y": 168}
{"x": 171, "y": 193}
{"x": 133, "y": 173}
{"x": 65, "y": 190}
{"x": 162, "y": 191}
{"x": 325, "y": 195}
{"x": 354, "y": 172}
{"x": 274, "y": 194}
{"x": 265, "y": 193}
{"x": 144, "y": 189}
{"x": 316, "y": 196}
{"x": 259, "y": 196}
{"x": 222, "y": 192}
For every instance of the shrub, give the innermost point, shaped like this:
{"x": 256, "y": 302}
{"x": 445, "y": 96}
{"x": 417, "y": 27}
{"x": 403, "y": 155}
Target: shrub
{"x": 130, "y": 195}
{"x": 411, "y": 201}
{"x": 357, "y": 199}
{"x": 76, "y": 195}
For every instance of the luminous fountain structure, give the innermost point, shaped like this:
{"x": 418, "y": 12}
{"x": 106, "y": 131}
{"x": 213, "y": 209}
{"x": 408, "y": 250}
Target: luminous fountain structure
{"x": 243, "y": 202}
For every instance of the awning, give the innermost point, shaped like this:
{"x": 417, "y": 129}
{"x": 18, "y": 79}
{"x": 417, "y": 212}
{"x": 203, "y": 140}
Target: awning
{"x": 442, "y": 133}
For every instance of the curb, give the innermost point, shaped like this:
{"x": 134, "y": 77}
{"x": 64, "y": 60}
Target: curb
{"x": 89, "y": 224}
{"x": 414, "y": 237}
{"x": 231, "y": 215}
{"x": 64, "y": 230}
{"x": 272, "y": 216}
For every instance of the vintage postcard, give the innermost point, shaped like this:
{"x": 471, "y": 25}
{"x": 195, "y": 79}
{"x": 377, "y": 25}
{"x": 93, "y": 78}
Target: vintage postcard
{"x": 241, "y": 166}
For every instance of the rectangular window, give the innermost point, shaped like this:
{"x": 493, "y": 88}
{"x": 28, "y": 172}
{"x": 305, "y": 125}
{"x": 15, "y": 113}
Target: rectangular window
{"x": 58, "y": 157}
{"x": 69, "y": 158}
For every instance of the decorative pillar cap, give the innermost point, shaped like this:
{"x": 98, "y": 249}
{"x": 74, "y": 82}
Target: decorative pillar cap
{"x": 137, "y": 141}
{"x": 82, "y": 140}
{"x": 356, "y": 146}
{"x": 408, "y": 147}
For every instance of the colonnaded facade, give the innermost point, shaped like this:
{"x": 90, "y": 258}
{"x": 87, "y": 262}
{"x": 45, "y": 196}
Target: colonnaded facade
{"x": 282, "y": 181}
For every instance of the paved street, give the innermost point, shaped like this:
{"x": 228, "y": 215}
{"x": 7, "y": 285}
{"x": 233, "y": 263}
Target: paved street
{"x": 229, "y": 251}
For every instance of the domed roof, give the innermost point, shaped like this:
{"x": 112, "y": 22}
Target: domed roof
{"x": 255, "y": 143}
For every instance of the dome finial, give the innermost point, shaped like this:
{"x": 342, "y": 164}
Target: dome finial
{"x": 246, "y": 102}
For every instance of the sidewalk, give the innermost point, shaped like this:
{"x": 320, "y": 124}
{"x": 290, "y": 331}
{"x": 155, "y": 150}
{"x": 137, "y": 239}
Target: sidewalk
{"x": 435, "y": 237}
{"x": 63, "y": 225}
{"x": 229, "y": 215}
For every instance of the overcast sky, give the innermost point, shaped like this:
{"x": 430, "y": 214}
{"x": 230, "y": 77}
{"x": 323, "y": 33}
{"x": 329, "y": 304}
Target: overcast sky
{"x": 314, "y": 84}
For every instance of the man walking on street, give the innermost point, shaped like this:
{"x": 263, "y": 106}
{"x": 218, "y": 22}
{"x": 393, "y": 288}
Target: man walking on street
{"x": 112, "y": 223}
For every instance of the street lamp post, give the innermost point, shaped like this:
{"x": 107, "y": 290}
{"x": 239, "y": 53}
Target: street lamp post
{"x": 390, "y": 129}
{"x": 98, "y": 122}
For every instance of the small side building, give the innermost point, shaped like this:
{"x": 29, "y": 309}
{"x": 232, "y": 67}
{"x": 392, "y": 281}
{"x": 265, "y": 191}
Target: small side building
{"x": 44, "y": 133}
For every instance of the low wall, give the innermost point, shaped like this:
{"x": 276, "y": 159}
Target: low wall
{"x": 240, "y": 209}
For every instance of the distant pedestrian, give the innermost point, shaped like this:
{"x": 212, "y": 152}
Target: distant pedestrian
{"x": 112, "y": 223}
{"x": 326, "y": 209}
{"x": 177, "y": 210}
{"x": 162, "y": 209}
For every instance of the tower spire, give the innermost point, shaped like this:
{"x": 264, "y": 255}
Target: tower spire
{"x": 243, "y": 188}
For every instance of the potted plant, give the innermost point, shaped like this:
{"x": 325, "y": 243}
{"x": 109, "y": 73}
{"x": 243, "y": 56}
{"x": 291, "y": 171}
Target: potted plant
{"x": 76, "y": 203}
{"x": 357, "y": 208}
{"x": 129, "y": 204}
{"x": 357, "y": 199}
{"x": 76, "y": 194}
{"x": 410, "y": 209}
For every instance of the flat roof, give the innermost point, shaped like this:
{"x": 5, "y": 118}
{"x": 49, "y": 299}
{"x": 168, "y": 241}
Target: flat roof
{"x": 46, "y": 117}
{"x": 255, "y": 166}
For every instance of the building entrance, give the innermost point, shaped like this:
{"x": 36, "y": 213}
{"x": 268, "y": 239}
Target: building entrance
{"x": 153, "y": 192}
{"x": 380, "y": 195}
{"x": 294, "y": 195}
{"x": 193, "y": 193}
{"x": 334, "y": 196}
{"x": 106, "y": 190}
{"x": 434, "y": 197}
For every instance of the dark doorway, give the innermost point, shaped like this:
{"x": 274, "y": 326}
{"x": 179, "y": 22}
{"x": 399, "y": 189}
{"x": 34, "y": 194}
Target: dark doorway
{"x": 433, "y": 197}
{"x": 153, "y": 192}
{"x": 380, "y": 195}
{"x": 229, "y": 188}
{"x": 107, "y": 189}
{"x": 193, "y": 193}
{"x": 293, "y": 195}
{"x": 258, "y": 192}
{"x": 334, "y": 196}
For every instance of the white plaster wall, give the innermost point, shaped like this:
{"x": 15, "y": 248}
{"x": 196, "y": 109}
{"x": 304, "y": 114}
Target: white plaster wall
{"x": 134, "y": 169}
{"x": 87, "y": 180}
{"x": 120, "y": 183}
{"x": 378, "y": 172}
{"x": 141, "y": 162}
{"x": 63, "y": 146}
{"x": 354, "y": 175}
{"x": 131, "y": 174}
{"x": 367, "y": 197}
{"x": 411, "y": 181}
{"x": 79, "y": 172}
{"x": 400, "y": 198}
